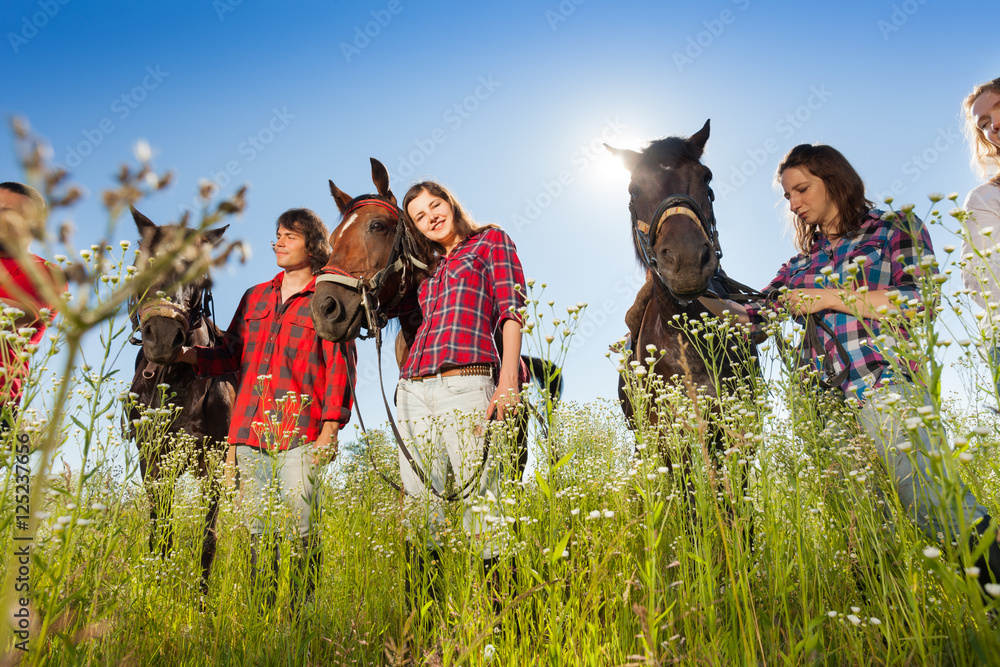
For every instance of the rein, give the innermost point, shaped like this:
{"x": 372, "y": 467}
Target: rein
{"x": 733, "y": 290}
{"x": 460, "y": 494}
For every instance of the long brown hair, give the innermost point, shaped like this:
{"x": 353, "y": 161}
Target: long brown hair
{"x": 464, "y": 225}
{"x": 843, "y": 186}
{"x": 985, "y": 156}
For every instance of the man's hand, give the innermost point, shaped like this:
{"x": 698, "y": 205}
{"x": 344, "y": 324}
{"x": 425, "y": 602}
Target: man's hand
{"x": 326, "y": 447}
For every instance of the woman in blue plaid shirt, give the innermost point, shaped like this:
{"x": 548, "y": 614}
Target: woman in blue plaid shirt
{"x": 859, "y": 269}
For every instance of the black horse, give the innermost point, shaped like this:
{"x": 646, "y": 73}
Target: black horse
{"x": 676, "y": 241}
{"x": 175, "y": 312}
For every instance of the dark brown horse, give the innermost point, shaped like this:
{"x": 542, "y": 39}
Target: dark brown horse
{"x": 375, "y": 258}
{"x": 675, "y": 239}
{"x": 176, "y": 312}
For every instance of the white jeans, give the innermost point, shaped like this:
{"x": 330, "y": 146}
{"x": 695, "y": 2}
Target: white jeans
{"x": 443, "y": 421}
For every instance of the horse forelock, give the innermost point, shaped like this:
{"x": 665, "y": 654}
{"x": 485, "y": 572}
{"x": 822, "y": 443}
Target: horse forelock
{"x": 670, "y": 151}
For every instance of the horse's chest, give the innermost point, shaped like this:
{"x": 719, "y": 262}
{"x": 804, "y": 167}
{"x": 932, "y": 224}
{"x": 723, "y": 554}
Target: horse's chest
{"x": 680, "y": 355}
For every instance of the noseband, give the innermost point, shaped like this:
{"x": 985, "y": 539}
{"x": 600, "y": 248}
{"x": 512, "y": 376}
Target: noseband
{"x": 401, "y": 260}
{"x": 645, "y": 233}
{"x": 189, "y": 318}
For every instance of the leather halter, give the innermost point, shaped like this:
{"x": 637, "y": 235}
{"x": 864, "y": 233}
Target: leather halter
{"x": 188, "y": 317}
{"x": 401, "y": 260}
{"x": 645, "y": 233}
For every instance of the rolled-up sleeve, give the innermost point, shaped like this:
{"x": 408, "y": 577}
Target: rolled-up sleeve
{"x": 908, "y": 242}
{"x": 506, "y": 277}
{"x": 340, "y": 374}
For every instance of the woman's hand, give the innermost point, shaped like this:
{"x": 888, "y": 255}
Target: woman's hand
{"x": 505, "y": 399}
{"x": 803, "y": 302}
{"x": 507, "y": 395}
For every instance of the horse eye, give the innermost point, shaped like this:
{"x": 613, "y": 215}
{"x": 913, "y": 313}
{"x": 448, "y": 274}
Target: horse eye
{"x": 708, "y": 176}
{"x": 377, "y": 226}
{"x": 634, "y": 192}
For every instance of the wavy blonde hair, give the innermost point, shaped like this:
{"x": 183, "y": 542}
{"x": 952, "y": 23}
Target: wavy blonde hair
{"x": 985, "y": 156}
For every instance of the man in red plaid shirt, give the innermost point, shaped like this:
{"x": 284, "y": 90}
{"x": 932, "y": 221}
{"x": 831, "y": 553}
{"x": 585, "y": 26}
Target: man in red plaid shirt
{"x": 292, "y": 400}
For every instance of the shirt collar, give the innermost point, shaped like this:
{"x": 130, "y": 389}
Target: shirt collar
{"x": 279, "y": 279}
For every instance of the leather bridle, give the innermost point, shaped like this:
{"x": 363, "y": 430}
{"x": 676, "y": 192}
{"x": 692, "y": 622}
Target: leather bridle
{"x": 401, "y": 259}
{"x": 677, "y": 204}
{"x": 189, "y": 317}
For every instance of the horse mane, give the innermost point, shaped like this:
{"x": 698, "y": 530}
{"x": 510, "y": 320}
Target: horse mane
{"x": 671, "y": 150}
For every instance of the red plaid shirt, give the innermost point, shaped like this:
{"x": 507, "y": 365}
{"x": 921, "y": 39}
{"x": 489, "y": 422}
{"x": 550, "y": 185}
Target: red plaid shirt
{"x": 16, "y": 284}
{"x": 278, "y": 341}
{"x": 470, "y": 294}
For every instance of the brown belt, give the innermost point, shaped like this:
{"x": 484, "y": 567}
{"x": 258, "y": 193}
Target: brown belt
{"x": 483, "y": 370}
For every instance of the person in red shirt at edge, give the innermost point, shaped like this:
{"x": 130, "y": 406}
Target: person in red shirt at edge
{"x": 454, "y": 378}
{"x": 21, "y": 206}
{"x": 292, "y": 400}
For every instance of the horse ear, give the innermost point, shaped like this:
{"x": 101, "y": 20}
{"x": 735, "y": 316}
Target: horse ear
{"x": 341, "y": 197}
{"x": 629, "y": 157}
{"x": 214, "y": 236}
{"x": 142, "y": 223}
{"x": 380, "y": 177}
{"x": 701, "y": 136}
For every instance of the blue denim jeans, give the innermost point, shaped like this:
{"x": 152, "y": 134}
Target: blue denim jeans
{"x": 443, "y": 421}
{"x": 921, "y": 484}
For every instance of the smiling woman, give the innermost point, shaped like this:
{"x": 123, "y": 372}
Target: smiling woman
{"x": 455, "y": 378}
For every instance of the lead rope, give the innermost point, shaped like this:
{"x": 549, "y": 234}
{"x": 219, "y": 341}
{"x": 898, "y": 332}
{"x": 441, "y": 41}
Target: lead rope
{"x": 811, "y": 336}
{"x": 461, "y": 493}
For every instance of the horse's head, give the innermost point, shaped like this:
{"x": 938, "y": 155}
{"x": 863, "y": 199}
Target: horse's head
{"x": 370, "y": 259}
{"x": 174, "y": 304}
{"x": 673, "y": 224}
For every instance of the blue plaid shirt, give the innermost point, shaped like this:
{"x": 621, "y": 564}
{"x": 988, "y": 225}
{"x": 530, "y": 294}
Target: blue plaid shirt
{"x": 881, "y": 251}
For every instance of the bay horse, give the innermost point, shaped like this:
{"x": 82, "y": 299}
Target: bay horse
{"x": 373, "y": 274}
{"x": 174, "y": 313}
{"x": 675, "y": 239}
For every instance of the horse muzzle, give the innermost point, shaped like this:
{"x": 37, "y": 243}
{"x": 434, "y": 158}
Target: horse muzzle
{"x": 336, "y": 319}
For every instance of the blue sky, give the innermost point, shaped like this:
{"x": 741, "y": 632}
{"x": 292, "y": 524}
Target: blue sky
{"x": 506, "y": 104}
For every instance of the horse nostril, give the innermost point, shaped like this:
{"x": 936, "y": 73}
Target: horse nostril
{"x": 706, "y": 256}
{"x": 331, "y": 309}
{"x": 178, "y": 338}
